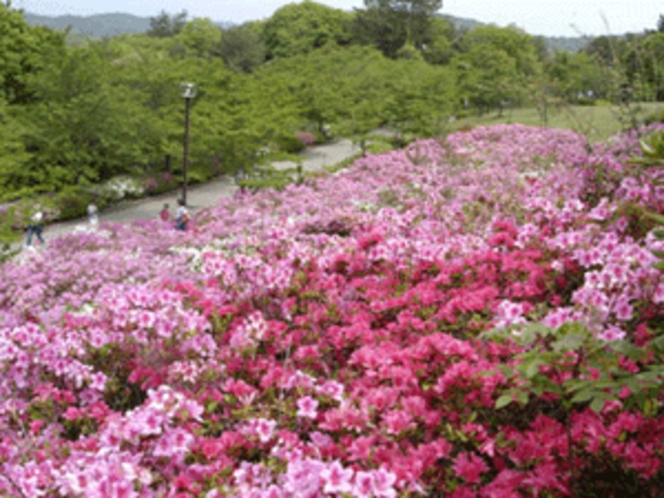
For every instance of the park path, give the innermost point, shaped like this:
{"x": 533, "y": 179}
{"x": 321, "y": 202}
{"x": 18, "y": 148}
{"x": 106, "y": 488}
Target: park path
{"x": 207, "y": 194}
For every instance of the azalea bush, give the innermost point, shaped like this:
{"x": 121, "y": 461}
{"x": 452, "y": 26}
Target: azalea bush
{"x": 477, "y": 317}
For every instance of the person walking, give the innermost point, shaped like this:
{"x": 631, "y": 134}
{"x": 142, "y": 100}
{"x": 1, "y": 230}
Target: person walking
{"x": 35, "y": 227}
{"x": 93, "y": 215}
{"x": 181, "y": 216}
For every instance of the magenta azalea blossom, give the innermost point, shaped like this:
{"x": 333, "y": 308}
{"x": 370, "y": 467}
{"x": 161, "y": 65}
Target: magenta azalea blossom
{"x": 328, "y": 339}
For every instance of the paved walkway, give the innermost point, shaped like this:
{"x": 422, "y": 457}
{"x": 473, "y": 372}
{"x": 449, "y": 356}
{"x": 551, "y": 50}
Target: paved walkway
{"x": 207, "y": 194}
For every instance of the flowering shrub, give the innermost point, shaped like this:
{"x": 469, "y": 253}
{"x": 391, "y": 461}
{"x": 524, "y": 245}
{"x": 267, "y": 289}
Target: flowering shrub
{"x": 122, "y": 187}
{"x": 477, "y": 318}
{"x": 307, "y": 138}
{"x": 159, "y": 183}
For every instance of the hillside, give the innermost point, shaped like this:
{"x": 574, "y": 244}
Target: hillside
{"x": 98, "y": 25}
{"x": 452, "y": 319}
{"x": 105, "y": 25}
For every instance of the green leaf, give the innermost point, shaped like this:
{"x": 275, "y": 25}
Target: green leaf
{"x": 532, "y": 369}
{"x": 627, "y": 349}
{"x": 583, "y": 396}
{"x": 522, "y": 397}
{"x": 597, "y": 404}
{"x": 656, "y": 217}
{"x": 503, "y": 401}
{"x": 570, "y": 342}
{"x": 650, "y": 407}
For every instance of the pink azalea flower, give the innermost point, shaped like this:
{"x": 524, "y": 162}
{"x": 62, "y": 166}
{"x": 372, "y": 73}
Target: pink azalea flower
{"x": 337, "y": 479}
{"x": 383, "y": 484}
{"x": 265, "y": 429}
{"x": 470, "y": 467}
{"x": 612, "y": 333}
{"x": 307, "y": 407}
{"x": 364, "y": 484}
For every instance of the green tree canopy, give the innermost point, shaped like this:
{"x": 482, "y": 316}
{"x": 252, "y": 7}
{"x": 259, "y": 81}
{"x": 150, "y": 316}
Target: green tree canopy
{"x": 13, "y": 155}
{"x": 514, "y": 42}
{"x": 85, "y": 128}
{"x": 390, "y": 24}
{"x": 165, "y": 25}
{"x": 21, "y": 53}
{"x": 241, "y": 48}
{"x": 200, "y": 36}
{"x": 297, "y": 29}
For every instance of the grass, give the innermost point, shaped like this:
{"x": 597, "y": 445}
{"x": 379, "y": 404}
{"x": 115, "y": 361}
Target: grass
{"x": 597, "y": 122}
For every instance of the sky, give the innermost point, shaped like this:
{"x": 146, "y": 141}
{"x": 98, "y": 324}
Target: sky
{"x": 537, "y": 17}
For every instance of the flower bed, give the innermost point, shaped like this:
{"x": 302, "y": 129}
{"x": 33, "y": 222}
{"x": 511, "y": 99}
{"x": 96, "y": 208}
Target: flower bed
{"x": 337, "y": 338}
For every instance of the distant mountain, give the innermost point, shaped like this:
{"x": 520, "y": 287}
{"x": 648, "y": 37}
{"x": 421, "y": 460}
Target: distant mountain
{"x": 461, "y": 23}
{"x": 107, "y": 25}
{"x": 566, "y": 44}
{"x": 98, "y": 25}
{"x": 555, "y": 43}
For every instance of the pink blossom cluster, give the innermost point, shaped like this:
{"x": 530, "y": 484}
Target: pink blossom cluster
{"x": 323, "y": 340}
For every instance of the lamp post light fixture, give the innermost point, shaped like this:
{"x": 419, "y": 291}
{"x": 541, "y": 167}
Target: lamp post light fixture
{"x": 188, "y": 92}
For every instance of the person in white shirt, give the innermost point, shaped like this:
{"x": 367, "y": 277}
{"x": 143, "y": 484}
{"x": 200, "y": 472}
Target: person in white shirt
{"x": 93, "y": 215}
{"x": 181, "y": 216}
{"x": 35, "y": 227}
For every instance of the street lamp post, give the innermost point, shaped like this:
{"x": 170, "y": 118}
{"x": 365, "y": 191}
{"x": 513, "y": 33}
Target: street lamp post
{"x": 188, "y": 92}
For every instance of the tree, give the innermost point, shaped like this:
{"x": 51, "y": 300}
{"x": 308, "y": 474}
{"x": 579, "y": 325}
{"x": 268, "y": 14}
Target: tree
{"x": 653, "y": 63}
{"x": 297, "y": 29}
{"x": 241, "y": 116}
{"x": 440, "y": 46}
{"x": 241, "y": 49}
{"x": 660, "y": 24}
{"x": 514, "y": 42}
{"x": 13, "y": 156}
{"x": 419, "y": 99}
{"x": 575, "y": 75}
{"x": 495, "y": 66}
{"x": 21, "y": 50}
{"x": 199, "y": 36}
{"x": 390, "y": 24}
{"x": 488, "y": 78}
{"x": 85, "y": 128}
{"x": 165, "y": 26}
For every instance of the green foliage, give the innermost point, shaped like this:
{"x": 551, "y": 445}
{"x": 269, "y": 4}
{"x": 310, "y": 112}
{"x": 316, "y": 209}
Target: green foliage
{"x": 75, "y": 117}
{"x": 656, "y": 116}
{"x": 165, "y": 26}
{"x": 495, "y": 67}
{"x": 419, "y": 106}
{"x": 241, "y": 48}
{"x": 9, "y": 235}
{"x": 290, "y": 144}
{"x": 439, "y": 48}
{"x": 200, "y": 36}
{"x": 578, "y": 369}
{"x": 240, "y": 117}
{"x": 272, "y": 179}
{"x": 652, "y": 64}
{"x": 88, "y": 129}
{"x": 21, "y": 49}
{"x": 653, "y": 155}
{"x": 72, "y": 202}
{"x": 573, "y": 370}
{"x": 568, "y": 79}
{"x": 13, "y": 155}
{"x": 297, "y": 29}
{"x": 388, "y": 25}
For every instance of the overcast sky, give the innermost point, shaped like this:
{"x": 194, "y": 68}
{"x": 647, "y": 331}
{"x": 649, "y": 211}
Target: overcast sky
{"x": 537, "y": 17}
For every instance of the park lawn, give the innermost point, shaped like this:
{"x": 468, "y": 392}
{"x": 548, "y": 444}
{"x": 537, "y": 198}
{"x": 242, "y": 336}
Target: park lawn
{"x": 596, "y": 122}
